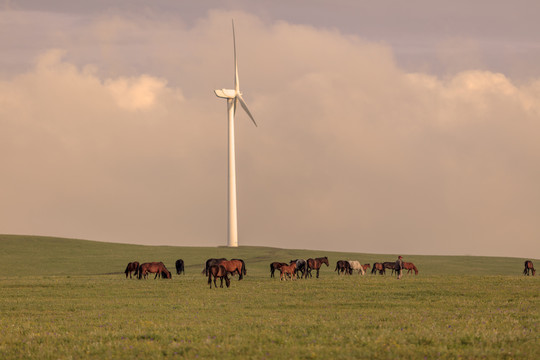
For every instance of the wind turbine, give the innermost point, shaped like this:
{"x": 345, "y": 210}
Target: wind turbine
{"x": 233, "y": 96}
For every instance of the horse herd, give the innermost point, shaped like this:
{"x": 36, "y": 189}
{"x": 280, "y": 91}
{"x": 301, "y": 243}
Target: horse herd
{"x": 298, "y": 268}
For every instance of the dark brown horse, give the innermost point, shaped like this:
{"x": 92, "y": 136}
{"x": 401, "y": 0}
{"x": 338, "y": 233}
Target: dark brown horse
{"x": 410, "y": 267}
{"x": 378, "y": 267}
{"x": 211, "y": 262}
{"x": 218, "y": 271}
{"x": 343, "y": 267}
{"x": 275, "y": 266}
{"x": 157, "y": 268}
{"x": 234, "y": 266}
{"x": 389, "y": 265}
{"x": 132, "y": 267}
{"x": 288, "y": 270}
{"x": 315, "y": 264}
{"x": 529, "y": 268}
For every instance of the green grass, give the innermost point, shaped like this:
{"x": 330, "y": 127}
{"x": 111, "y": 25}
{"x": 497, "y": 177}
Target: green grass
{"x": 69, "y": 299}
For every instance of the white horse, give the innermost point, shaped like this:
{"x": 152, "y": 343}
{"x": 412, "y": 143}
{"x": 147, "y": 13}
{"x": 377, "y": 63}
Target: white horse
{"x": 355, "y": 265}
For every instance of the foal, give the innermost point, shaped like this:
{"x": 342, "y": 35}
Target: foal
{"x": 287, "y": 270}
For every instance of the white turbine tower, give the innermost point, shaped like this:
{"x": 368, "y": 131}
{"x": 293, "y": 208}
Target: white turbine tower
{"x": 233, "y": 96}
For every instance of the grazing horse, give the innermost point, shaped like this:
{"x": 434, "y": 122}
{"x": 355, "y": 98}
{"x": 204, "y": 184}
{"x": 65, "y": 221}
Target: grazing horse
{"x": 179, "y": 266}
{"x": 244, "y": 271}
{"x": 315, "y": 264}
{"x": 211, "y": 262}
{"x": 529, "y": 268}
{"x": 366, "y": 266}
{"x": 410, "y": 267}
{"x": 234, "y": 266}
{"x": 132, "y": 267}
{"x": 343, "y": 266}
{"x": 218, "y": 271}
{"x": 301, "y": 267}
{"x": 378, "y": 266}
{"x": 355, "y": 265}
{"x": 288, "y": 270}
{"x": 275, "y": 266}
{"x": 389, "y": 265}
{"x": 157, "y": 268}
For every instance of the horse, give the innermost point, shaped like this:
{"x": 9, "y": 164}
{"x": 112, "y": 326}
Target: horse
{"x": 211, "y": 262}
{"x": 316, "y": 264}
{"x": 343, "y": 266}
{"x": 244, "y": 271}
{"x": 179, "y": 266}
{"x": 234, "y": 266}
{"x": 275, "y": 266}
{"x": 218, "y": 271}
{"x": 132, "y": 267}
{"x": 529, "y": 268}
{"x": 289, "y": 270}
{"x": 301, "y": 267}
{"x": 378, "y": 266}
{"x": 410, "y": 267}
{"x": 389, "y": 265}
{"x": 366, "y": 266}
{"x": 355, "y": 265}
{"x": 157, "y": 268}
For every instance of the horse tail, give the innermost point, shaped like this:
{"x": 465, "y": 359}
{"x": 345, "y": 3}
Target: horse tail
{"x": 139, "y": 272}
{"x": 127, "y": 270}
{"x": 242, "y": 270}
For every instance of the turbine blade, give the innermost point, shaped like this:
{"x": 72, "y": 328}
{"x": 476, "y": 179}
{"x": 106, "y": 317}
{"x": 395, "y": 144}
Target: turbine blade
{"x": 244, "y": 105}
{"x": 236, "y": 81}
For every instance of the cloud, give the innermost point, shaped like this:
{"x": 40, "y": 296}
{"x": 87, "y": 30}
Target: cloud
{"x": 352, "y": 152}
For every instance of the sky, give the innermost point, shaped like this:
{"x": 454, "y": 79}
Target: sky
{"x": 395, "y": 127}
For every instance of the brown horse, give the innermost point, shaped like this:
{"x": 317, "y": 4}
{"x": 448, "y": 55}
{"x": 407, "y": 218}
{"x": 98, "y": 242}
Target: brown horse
{"x": 529, "y": 268}
{"x": 211, "y": 262}
{"x": 132, "y": 267}
{"x": 343, "y": 267}
{"x": 389, "y": 265}
{"x": 315, "y": 264}
{"x": 366, "y": 266}
{"x": 234, "y": 266}
{"x": 379, "y": 267}
{"x": 218, "y": 271}
{"x": 275, "y": 266}
{"x": 410, "y": 267}
{"x": 157, "y": 268}
{"x": 289, "y": 270}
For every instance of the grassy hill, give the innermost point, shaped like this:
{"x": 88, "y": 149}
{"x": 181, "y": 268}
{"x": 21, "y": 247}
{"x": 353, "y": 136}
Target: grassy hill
{"x": 35, "y": 255}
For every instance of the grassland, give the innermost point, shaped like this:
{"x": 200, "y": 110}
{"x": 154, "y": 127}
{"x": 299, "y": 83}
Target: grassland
{"x": 64, "y": 299}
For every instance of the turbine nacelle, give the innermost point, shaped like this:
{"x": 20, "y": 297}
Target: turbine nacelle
{"x": 226, "y": 93}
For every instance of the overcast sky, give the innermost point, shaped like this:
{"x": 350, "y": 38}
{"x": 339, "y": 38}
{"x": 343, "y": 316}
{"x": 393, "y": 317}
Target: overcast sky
{"x": 408, "y": 127}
